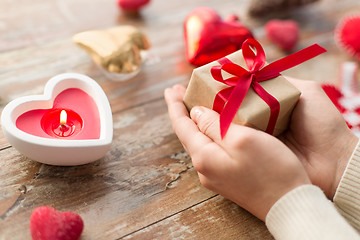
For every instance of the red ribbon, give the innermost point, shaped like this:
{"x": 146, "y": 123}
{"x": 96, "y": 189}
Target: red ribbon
{"x": 228, "y": 100}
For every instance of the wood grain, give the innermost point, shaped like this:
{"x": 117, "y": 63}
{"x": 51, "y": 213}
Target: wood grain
{"x": 146, "y": 169}
{"x": 146, "y": 186}
{"x": 223, "y": 216}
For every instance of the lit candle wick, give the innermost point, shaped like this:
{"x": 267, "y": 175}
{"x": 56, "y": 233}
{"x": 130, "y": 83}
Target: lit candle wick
{"x": 62, "y": 123}
{"x": 64, "y": 127}
{"x": 63, "y": 118}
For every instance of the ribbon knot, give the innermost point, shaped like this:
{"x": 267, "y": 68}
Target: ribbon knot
{"x": 228, "y": 100}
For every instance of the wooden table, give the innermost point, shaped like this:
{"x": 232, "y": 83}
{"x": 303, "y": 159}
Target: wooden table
{"x": 145, "y": 187}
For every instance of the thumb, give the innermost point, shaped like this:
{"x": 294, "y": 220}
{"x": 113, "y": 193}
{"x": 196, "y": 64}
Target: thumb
{"x": 207, "y": 121}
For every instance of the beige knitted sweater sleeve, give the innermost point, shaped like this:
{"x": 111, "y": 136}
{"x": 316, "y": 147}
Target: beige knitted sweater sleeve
{"x": 306, "y": 213}
{"x": 347, "y": 196}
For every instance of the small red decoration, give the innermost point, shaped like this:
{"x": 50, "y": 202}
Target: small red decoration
{"x": 347, "y": 98}
{"x": 228, "y": 100}
{"x": 347, "y": 35}
{"x": 284, "y": 33}
{"x": 132, "y": 5}
{"x": 208, "y": 37}
{"x": 48, "y": 224}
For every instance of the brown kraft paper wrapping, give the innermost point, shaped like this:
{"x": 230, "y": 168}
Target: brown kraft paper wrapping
{"x": 253, "y": 112}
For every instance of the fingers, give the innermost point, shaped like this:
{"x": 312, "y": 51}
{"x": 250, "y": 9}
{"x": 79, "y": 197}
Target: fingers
{"x": 186, "y": 130}
{"x": 174, "y": 100}
{"x": 208, "y": 123}
{"x": 202, "y": 129}
{"x": 205, "y": 181}
{"x": 206, "y": 155}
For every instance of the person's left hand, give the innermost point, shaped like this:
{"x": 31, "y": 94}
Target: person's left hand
{"x": 249, "y": 167}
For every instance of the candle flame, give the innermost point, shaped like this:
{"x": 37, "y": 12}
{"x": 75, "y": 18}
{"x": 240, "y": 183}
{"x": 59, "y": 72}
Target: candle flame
{"x": 63, "y": 117}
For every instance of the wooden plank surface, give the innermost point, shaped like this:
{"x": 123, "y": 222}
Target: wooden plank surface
{"x": 145, "y": 187}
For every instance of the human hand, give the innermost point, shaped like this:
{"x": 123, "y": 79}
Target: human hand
{"x": 249, "y": 167}
{"x": 319, "y": 137}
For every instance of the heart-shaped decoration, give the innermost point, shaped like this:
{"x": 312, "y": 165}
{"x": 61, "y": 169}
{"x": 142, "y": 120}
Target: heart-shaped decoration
{"x": 347, "y": 35}
{"x": 284, "y": 33}
{"x": 132, "y": 5}
{"x": 208, "y": 37}
{"x": 48, "y": 224}
{"x": 33, "y": 124}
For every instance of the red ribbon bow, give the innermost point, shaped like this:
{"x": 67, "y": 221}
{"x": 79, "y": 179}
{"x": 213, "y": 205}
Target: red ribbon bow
{"x": 228, "y": 100}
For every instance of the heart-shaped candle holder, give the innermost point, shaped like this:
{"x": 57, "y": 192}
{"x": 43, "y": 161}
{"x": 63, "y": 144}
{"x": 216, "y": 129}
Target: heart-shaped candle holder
{"x": 71, "y": 124}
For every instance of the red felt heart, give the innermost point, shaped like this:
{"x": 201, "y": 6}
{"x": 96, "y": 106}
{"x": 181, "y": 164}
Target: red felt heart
{"x": 132, "y": 5}
{"x": 208, "y": 37}
{"x": 347, "y": 35}
{"x": 48, "y": 224}
{"x": 284, "y": 33}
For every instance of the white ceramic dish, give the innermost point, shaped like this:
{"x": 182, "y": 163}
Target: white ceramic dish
{"x": 59, "y": 151}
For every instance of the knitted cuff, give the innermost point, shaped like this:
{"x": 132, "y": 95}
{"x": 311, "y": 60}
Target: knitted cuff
{"x": 306, "y": 213}
{"x": 347, "y": 196}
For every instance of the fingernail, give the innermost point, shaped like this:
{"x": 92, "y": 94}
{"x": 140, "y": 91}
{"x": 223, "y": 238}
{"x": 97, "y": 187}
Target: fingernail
{"x": 196, "y": 112}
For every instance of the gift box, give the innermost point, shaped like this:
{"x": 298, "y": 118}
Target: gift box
{"x": 247, "y": 91}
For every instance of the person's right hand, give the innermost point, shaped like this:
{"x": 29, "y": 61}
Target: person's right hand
{"x": 319, "y": 136}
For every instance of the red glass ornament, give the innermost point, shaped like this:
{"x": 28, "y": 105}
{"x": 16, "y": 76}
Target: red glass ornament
{"x": 208, "y": 37}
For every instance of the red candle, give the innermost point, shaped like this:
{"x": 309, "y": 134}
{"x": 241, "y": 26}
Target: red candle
{"x": 74, "y": 115}
{"x": 61, "y": 123}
